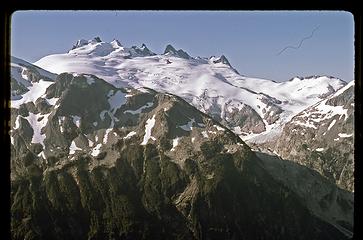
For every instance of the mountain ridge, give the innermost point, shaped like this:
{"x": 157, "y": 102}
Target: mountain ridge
{"x": 136, "y": 163}
{"x": 212, "y": 85}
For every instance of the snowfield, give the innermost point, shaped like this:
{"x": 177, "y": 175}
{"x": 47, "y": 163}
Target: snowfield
{"x": 210, "y": 84}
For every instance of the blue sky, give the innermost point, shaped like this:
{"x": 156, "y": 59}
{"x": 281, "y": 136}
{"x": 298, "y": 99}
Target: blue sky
{"x": 251, "y": 40}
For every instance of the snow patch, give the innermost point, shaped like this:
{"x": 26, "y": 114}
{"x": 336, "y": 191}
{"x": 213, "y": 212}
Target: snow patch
{"x": 148, "y": 127}
{"x": 205, "y": 134}
{"x": 41, "y": 154}
{"x": 52, "y": 101}
{"x": 35, "y": 91}
{"x": 96, "y": 150}
{"x": 344, "y": 135}
{"x": 61, "y": 119}
{"x": 331, "y": 111}
{"x": 73, "y": 148}
{"x": 218, "y": 128}
{"x": 175, "y": 143}
{"x": 106, "y": 135}
{"x": 237, "y": 130}
{"x": 76, "y": 120}
{"x": 130, "y": 134}
{"x": 37, "y": 126}
{"x": 305, "y": 124}
{"x": 331, "y": 124}
{"x": 17, "y": 122}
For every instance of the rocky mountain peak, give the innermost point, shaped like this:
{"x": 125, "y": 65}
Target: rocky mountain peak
{"x": 222, "y": 59}
{"x": 116, "y": 44}
{"x": 170, "y": 50}
{"x": 96, "y": 39}
{"x": 141, "y": 51}
{"x": 80, "y": 43}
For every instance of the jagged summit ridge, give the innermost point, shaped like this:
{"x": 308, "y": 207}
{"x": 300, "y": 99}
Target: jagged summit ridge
{"x": 249, "y": 106}
{"x": 83, "y": 42}
{"x": 170, "y": 50}
{"x": 135, "y": 51}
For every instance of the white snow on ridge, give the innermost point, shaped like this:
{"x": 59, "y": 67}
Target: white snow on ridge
{"x": 344, "y": 135}
{"x": 52, "y": 101}
{"x": 17, "y": 122}
{"x": 343, "y": 89}
{"x": 41, "y": 154}
{"x": 37, "y": 126}
{"x": 331, "y": 111}
{"x": 206, "y": 85}
{"x": 148, "y": 127}
{"x": 23, "y": 75}
{"x": 175, "y": 143}
{"x": 90, "y": 143}
{"x": 73, "y": 147}
{"x": 76, "y": 120}
{"x": 218, "y": 128}
{"x": 60, "y": 122}
{"x": 237, "y": 130}
{"x": 96, "y": 150}
{"x": 23, "y": 64}
{"x": 331, "y": 124}
{"x": 130, "y": 134}
{"x": 205, "y": 134}
{"x": 305, "y": 124}
{"x": 105, "y": 137}
{"x": 35, "y": 91}
{"x": 319, "y": 149}
{"x": 17, "y": 74}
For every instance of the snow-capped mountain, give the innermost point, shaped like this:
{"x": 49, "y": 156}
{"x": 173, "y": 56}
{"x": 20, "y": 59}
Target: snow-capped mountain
{"x": 24, "y": 77}
{"x": 91, "y": 160}
{"x": 321, "y": 137}
{"x": 256, "y": 109}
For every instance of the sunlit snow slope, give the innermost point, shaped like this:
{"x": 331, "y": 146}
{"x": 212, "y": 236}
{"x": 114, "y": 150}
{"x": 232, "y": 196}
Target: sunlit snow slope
{"x": 253, "y": 108}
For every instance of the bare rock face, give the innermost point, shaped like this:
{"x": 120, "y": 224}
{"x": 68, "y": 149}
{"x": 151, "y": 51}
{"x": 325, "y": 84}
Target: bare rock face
{"x": 246, "y": 119}
{"x": 321, "y": 137}
{"x": 93, "y": 161}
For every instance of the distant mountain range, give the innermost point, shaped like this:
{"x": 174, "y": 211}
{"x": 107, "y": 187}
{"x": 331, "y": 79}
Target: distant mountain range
{"x": 248, "y": 106}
